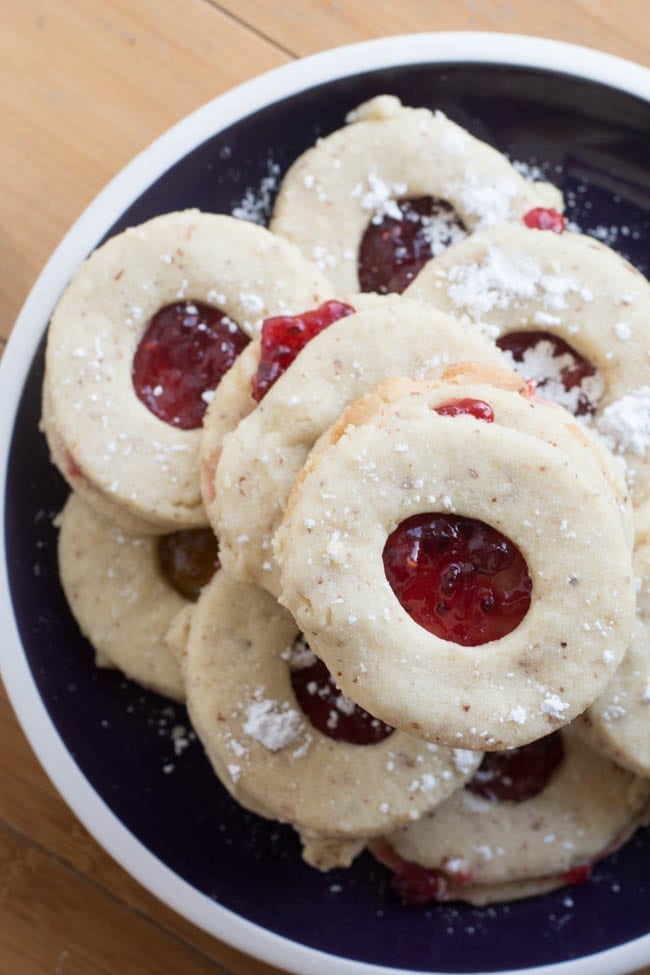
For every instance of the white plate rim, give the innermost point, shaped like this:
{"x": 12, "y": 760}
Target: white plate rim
{"x": 88, "y": 229}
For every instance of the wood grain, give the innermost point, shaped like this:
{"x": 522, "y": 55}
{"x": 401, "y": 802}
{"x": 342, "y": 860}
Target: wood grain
{"x": 84, "y": 85}
{"x": 304, "y": 28}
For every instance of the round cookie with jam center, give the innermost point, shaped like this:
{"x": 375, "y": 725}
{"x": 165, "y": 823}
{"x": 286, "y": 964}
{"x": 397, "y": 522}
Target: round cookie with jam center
{"x": 246, "y": 495}
{"x": 287, "y": 744}
{"x": 572, "y": 314}
{"x": 499, "y": 497}
{"x": 136, "y": 345}
{"x": 126, "y": 591}
{"x": 413, "y": 176}
{"x": 530, "y": 820}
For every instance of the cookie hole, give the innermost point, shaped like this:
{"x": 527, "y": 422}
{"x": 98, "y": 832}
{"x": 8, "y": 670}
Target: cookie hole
{"x": 559, "y": 371}
{"x": 183, "y": 354}
{"x": 518, "y": 774}
{"x": 398, "y": 243}
{"x": 326, "y": 708}
{"x": 457, "y": 577}
{"x": 188, "y": 559}
{"x": 284, "y": 336}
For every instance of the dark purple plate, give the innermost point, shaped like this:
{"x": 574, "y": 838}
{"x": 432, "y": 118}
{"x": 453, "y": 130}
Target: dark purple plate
{"x": 108, "y": 745}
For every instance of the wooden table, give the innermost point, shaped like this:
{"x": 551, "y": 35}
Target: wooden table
{"x": 84, "y": 85}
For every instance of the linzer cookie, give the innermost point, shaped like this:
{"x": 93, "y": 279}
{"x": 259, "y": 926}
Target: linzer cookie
{"x": 255, "y": 371}
{"x": 127, "y": 591}
{"x": 288, "y": 744}
{"x": 138, "y": 343}
{"x": 372, "y": 202}
{"x": 530, "y": 820}
{"x": 246, "y": 496}
{"x": 447, "y": 549}
{"x": 572, "y": 314}
{"x": 618, "y": 722}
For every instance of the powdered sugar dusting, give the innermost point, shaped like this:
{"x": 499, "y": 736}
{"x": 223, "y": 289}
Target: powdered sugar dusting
{"x": 272, "y": 726}
{"x": 489, "y": 202}
{"x": 256, "y": 203}
{"x": 554, "y": 706}
{"x": 539, "y": 362}
{"x": 499, "y": 280}
{"x": 380, "y": 197}
{"x": 464, "y": 760}
{"x": 625, "y": 424}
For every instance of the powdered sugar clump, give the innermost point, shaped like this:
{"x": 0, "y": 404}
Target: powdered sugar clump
{"x": 441, "y": 230}
{"x": 272, "y": 727}
{"x": 539, "y": 362}
{"x": 625, "y": 423}
{"x": 553, "y": 706}
{"x": 499, "y": 280}
{"x": 490, "y": 202}
{"x": 380, "y": 197}
{"x": 256, "y": 203}
{"x": 464, "y": 760}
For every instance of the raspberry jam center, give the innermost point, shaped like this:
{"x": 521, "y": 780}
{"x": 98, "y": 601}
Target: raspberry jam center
{"x": 188, "y": 559}
{"x": 283, "y": 338}
{"x": 394, "y": 249}
{"x": 326, "y": 708}
{"x": 545, "y": 218}
{"x": 182, "y": 356}
{"x": 457, "y": 577}
{"x": 561, "y": 374}
{"x": 519, "y": 773}
{"x": 477, "y": 408}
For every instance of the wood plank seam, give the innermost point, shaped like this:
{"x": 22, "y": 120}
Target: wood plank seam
{"x": 18, "y": 834}
{"x": 244, "y": 23}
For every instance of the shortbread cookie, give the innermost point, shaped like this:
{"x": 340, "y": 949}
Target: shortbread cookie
{"x": 388, "y": 153}
{"x": 562, "y": 625}
{"x": 261, "y": 458}
{"x": 247, "y": 673}
{"x": 481, "y": 844}
{"x": 618, "y": 722}
{"x": 190, "y": 274}
{"x": 523, "y": 285}
{"x": 258, "y": 368}
{"x": 120, "y": 596}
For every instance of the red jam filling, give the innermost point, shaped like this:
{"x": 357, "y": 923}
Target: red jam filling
{"x": 393, "y": 251}
{"x": 457, "y": 577}
{"x": 188, "y": 560}
{"x": 418, "y": 885}
{"x": 71, "y": 465}
{"x": 183, "y": 354}
{"x": 518, "y": 773}
{"x": 283, "y": 338}
{"x": 330, "y": 712}
{"x": 578, "y": 875}
{"x": 545, "y": 218}
{"x": 477, "y": 408}
{"x": 557, "y": 368}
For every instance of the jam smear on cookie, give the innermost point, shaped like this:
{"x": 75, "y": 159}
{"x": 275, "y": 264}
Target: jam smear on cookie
{"x": 185, "y": 351}
{"x": 477, "y": 408}
{"x": 325, "y": 706}
{"x": 518, "y": 774}
{"x": 457, "y": 577}
{"x": 561, "y": 374}
{"x": 188, "y": 559}
{"x": 545, "y": 218}
{"x": 394, "y": 249}
{"x": 284, "y": 336}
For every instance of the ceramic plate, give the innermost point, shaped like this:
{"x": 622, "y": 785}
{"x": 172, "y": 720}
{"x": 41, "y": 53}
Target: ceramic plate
{"x": 110, "y": 747}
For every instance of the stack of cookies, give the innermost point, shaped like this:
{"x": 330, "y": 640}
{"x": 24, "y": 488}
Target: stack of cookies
{"x": 370, "y": 492}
